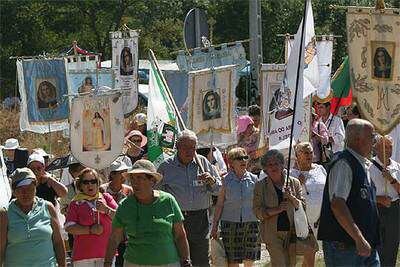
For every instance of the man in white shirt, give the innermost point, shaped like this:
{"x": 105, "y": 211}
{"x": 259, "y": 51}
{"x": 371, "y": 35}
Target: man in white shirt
{"x": 395, "y": 134}
{"x": 385, "y": 173}
{"x": 334, "y": 124}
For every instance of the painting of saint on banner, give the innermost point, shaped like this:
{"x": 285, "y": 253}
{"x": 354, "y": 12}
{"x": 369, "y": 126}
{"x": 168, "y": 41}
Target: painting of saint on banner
{"x": 43, "y": 89}
{"x": 96, "y": 130}
{"x": 211, "y": 105}
{"x": 126, "y": 67}
{"x": 382, "y": 58}
{"x": 46, "y": 93}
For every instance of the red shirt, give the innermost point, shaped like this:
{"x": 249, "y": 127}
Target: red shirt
{"x": 90, "y": 246}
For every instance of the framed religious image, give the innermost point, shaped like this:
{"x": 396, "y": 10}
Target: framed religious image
{"x": 96, "y": 130}
{"x": 46, "y": 93}
{"x": 382, "y": 54}
{"x": 86, "y": 85}
{"x": 211, "y": 105}
{"x": 126, "y": 63}
{"x": 279, "y": 104}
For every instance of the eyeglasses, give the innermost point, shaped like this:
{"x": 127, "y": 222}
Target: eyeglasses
{"x": 242, "y": 158}
{"x": 86, "y": 182}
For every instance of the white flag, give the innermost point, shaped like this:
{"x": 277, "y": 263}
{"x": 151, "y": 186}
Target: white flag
{"x": 308, "y": 75}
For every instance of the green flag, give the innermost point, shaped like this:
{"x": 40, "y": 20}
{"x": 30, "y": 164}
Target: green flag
{"x": 340, "y": 83}
{"x": 161, "y": 119}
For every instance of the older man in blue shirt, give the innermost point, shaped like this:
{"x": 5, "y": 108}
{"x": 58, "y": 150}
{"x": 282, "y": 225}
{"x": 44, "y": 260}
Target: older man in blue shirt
{"x": 192, "y": 188}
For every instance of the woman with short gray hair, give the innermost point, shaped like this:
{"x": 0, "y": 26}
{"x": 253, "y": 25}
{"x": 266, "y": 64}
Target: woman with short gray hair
{"x": 275, "y": 199}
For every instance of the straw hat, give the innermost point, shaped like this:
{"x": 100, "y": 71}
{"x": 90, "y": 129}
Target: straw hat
{"x": 137, "y": 133}
{"x": 146, "y": 167}
{"x": 243, "y": 122}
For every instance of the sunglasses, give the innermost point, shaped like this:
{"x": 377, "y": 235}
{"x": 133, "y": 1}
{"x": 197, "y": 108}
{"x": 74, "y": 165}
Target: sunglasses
{"x": 242, "y": 158}
{"x": 86, "y": 182}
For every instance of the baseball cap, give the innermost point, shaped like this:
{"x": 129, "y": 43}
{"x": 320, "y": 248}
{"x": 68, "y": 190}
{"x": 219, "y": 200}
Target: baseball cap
{"x": 35, "y": 157}
{"x": 22, "y": 176}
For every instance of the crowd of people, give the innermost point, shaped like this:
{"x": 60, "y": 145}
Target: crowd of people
{"x": 134, "y": 214}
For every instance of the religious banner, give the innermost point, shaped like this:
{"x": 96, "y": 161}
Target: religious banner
{"x": 373, "y": 38}
{"x": 97, "y": 129}
{"x": 324, "y": 57}
{"x": 277, "y": 110}
{"x": 43, "y": 88}
{"x": 84, "y": 81}
{"x": 125, "y": 65}
{"x": 211, "y": 102}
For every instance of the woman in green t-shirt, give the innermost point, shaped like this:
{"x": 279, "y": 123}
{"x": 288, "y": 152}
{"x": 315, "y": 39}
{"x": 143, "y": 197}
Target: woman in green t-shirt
{"x": 153, "y": 222}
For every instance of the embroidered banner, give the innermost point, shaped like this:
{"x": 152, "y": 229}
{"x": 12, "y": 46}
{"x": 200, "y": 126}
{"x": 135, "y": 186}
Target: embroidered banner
{"x": 277, "y": 111}
{"x": 373, "y": 38}
{"x": 97, "y": 129}
{"x": 211, "y": 98}
{"x": 125, "y": 65}
{"x": 43, "y": 89}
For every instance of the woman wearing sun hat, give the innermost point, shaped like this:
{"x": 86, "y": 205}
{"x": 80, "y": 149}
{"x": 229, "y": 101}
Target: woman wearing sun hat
{"x": 153, "y": 222}
{"x": 135, "y": 144}
{"x": 30, "y": 231}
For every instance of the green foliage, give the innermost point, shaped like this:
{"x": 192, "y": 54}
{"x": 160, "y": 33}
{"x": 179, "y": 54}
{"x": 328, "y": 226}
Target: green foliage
{"x": 36, "y": 26}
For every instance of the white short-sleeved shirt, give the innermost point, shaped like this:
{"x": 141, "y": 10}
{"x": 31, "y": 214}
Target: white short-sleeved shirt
{"x": 314, "y": 189}
{"x": 380, "y": 181}
{"x": 341, "y": 176}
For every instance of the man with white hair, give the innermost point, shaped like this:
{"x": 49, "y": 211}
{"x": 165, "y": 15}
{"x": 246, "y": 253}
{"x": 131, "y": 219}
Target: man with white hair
{"x": 349, "y": 223}
{"x": 385, "y": 172}
{"x": 192, "y": 189}
{"x": 47, "y": 187}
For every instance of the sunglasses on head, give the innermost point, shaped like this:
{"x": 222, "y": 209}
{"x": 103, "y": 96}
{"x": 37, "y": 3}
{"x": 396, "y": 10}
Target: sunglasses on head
{"x": 242, "y": 158}
{"x": 86, "y": 182}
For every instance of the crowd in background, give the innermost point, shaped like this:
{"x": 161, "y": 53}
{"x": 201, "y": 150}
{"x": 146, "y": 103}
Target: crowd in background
{"x": 132, "y": 214}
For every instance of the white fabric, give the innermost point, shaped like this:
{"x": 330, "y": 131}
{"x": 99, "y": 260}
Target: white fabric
{"x": 300, "y": 222}
{"x": 380, "y": 182}
{"x": 324, "y": 55}
{"x": 313, "y": 190}
{"x": 395, "y": 134}
{"x": 341, "y": 176}
{"x": 336, "y": 131}
{"x": 220, "y": 160}
{"x": 66, "y": 178}
{"x": 5, "y": 189}
{"x": 128, "y": 264}
{"x": 97, "y": 262}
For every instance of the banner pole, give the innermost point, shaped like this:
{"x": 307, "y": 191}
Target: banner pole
{"x": 301, "y": 54}
{"x": 172, "y": 101}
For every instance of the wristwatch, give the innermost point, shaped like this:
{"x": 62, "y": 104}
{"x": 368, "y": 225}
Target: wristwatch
{"x": 186, "y": 263}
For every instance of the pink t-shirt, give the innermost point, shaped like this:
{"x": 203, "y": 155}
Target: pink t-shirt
{"x": 90, "y": 246}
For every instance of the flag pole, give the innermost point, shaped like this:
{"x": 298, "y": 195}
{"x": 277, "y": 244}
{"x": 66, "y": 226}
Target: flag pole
{"x": 172, "y": 101}
{"x": 301, "y": 54}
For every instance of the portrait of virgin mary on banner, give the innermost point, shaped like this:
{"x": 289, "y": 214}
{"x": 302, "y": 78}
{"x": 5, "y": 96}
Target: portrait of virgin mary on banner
{"x": 373, "y": 38}
{"x": 43, "y": 88}
{"x": 212, "y": 101}
{"x": 97, "y": 129}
